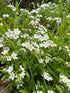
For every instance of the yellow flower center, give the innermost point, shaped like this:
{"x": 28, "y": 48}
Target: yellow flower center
{"x": 16, "y": 31}
{"x": 9, "y": 33}
{"x": 64, "y": 80}
{"x": 30, "y": 46}
{"x": 12, "y": 75}
{"x": 13, "y": 55}
{"x": 45, "y": 45}
{"x": 15, "y": 36}
{"x": 8, "y": 57}
{"x": 27, "y": 44}
{"x": 5, "y": 53}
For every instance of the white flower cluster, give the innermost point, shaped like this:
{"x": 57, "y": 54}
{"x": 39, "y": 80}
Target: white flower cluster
{"x": 50, "y": 91}
{"x": 68, "y": 16}
{"x": 11, "y": 73}
{"x": 12, "y": 7}
{"x": 47, "y": 59}
{"x": 22, "y": 74}
{"x": 39, "y": 92}
{"x": 28, "y": 45}
{"x": 65, "y": 80}
{"x": 47, "y": 76}
{"x": 67, "y": 49}
{"x": 13, "y": 55}
{"x": 67, "y": 63}
{"x": 57, "y": 19}
{"x": 5, "y": 15}
{"x": 13, "y": 34}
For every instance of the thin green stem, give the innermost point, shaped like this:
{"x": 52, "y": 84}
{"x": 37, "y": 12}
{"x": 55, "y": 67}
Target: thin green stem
{"x": 32, "y": 75}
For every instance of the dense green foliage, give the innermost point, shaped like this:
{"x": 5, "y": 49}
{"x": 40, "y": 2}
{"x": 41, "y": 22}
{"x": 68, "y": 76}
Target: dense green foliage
{"x": 35, "y": 48}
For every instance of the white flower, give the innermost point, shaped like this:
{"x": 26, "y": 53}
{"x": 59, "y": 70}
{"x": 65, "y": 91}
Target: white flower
{"x": 47, "y": 60}
{"x": 45, "y": 44}
{"x": 15, "y": 36}
{"x": 53, "y": 45}
{"x": 34, "y": 11}
{"x": 39, "y": 92}
{"x": 1, "y": 24}
{"x": 41, "y": 45}
{"x": 1, "y": 45}
{"x": 49, "y": 18}
{"x": 60, "y": 48}
{"x": 68, "y": 16}
{"x": 22, "y": 68}
{"x": 68, "y": 83}
{"x": 47, "y": 77}
{"x": 30, "y": 47}
{"x": 50, "y": 91}
{"x": 17, "y": 31}
{"x": 8, "y": 58}
{"x": 41, "y": 60}
{"x": 22, "y": 74}
{"x": 63, "y": 78}
{"x": 10, "y": 6}
{"x": 10, "y": 69}
{"x": 68, "y": 54}
{"x": 37, "y": 50}
{"x": 12, "y": 76}
{"x": 45, "y": 37}
{"x": 13, "y": 55}
{"x": 14, "y": 8}
{"x": 24, "y": 35}
{"x": 9, "y": 33}
{"x": 5, "y": 15}
{"x": 27, "y": 44}
{"x": 68, "y": 33}
{"x": 1, "y": 39}
{"x": 4, "y": 52}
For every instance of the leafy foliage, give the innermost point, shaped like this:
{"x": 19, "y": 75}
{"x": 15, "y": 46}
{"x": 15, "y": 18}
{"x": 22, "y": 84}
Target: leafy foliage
{"x": 35, "y": 48}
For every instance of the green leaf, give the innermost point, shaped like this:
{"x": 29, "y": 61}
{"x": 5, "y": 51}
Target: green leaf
{"x": 27, "y": 74}
{"x": 23, "y": 91}
{"x": 59, "y": 89}
{"x": 64, "y": 19}
{"x": 17, "y": 6}
{"x": 3, "y": 77}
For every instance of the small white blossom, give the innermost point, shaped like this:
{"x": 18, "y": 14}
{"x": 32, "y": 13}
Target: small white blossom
{"x": 1, "y": 45}
{"x": 8, "y": 58}
{"x": 10, "y": 69}
{"x": 22, "y": 74}
{"x": 5, "y": 15}
{"x": 22, "y": 68}
{"x": 14, "y": 55}
{"x": 30, "y": 47}
{"x": 47, "y": 77}
{"x": 17, "y": 31}
{"x": 4, "y": 52}
{"x": 41, "y": 60}
{"x": 39, "y": 92}
{"x": 12, "y": 76}
{"x": 1, "y": 24}
{"x": 9, "y": 33}
{"x": 50, "y": 91}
